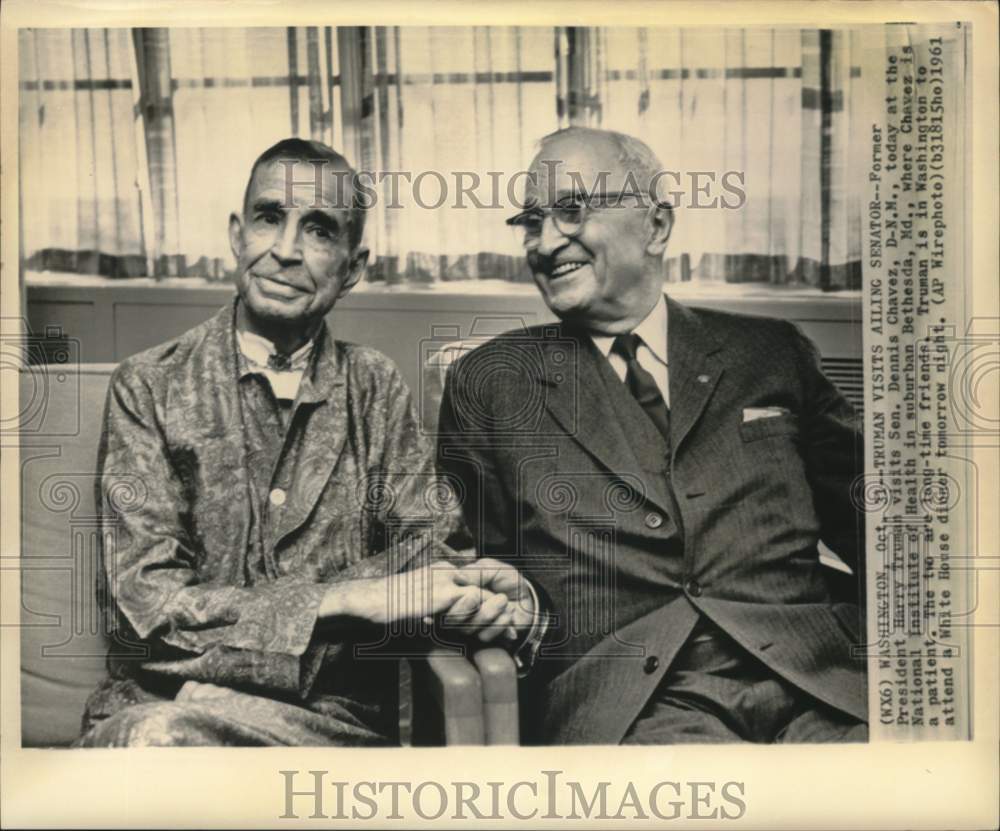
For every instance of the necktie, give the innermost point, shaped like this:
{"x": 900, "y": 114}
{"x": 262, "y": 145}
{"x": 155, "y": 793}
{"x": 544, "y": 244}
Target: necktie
{"x": 642, "y": 385}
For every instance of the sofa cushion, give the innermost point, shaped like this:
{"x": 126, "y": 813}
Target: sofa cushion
{"x": 63, "y": 639}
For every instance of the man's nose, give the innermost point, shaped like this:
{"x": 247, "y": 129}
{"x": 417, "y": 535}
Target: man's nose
{"x": 551, "y": 238}
{"x": 286, "y": 246}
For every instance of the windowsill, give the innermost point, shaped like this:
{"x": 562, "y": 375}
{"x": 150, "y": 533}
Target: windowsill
{"x": 466, "y": 288}
{"x": 62, "y": 279}
{"x": 113, "y": 318}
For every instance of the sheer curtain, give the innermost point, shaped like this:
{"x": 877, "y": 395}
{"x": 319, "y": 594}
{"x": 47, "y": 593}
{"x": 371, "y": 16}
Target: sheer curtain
{"x": 456, "y": 112}
{"x": 410, "y": 107}
{"x": 120, "y": 183}
{"x": 774, "y": 106}
{"x": 80, "y": 172}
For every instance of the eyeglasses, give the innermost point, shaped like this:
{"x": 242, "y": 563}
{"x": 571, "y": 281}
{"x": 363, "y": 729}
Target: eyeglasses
{"x": 569, "y": 214}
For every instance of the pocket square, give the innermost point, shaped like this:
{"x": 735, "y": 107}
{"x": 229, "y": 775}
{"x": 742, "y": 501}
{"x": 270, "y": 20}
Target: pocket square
{"x": 753, "y": 413}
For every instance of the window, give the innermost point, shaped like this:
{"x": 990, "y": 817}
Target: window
{"x": 136, "y": 143}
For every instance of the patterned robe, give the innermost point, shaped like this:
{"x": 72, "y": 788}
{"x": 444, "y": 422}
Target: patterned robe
{"x": 215, "y": 585}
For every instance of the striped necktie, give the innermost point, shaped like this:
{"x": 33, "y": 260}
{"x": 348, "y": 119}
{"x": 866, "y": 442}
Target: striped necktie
{"x": 642, "y": 385}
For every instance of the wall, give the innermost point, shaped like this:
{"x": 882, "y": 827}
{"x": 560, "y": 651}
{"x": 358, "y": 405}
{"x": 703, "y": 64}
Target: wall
{"x": 112, "y": 319}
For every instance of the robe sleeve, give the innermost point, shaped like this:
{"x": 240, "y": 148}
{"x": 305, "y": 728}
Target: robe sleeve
{"x": 421, "y": 511}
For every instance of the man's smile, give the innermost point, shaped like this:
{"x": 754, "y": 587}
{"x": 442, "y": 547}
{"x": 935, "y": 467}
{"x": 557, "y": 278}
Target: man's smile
{"x": 562, "y": 269}
{"x": 274, "y": 284}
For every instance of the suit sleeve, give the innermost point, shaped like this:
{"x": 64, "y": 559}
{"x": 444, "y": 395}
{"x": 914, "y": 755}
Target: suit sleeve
{"x": 256, "y": 636}
{"x": 833, "y": 447}
{"x": 466, "y": 458}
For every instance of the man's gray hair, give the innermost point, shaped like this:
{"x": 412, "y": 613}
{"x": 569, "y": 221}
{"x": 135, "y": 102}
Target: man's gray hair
{"x": 634, "y": 154}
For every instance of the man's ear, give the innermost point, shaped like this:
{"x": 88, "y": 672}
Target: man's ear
{"x": 355, "y": 270}
{"x": 659, "y": 223}
{"x": 235, "y": 236}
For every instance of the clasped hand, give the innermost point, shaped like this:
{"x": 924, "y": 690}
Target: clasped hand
{"x": 486, "y": 597}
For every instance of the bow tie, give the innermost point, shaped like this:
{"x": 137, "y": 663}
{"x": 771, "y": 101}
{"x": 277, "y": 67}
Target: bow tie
{"x": 279, "y": 362}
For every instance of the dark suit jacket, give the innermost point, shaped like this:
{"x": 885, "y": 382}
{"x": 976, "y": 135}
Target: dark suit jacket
{"x": 557, "y": 478}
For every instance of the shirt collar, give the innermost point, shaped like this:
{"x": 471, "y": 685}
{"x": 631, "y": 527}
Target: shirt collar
{"x": 652, "y": 330}
{"x": 257, "y": 349}
{"x": 254, "y": 352}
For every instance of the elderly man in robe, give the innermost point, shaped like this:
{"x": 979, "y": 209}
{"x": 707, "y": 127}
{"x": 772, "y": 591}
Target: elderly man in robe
{"x": 270, "y": 509}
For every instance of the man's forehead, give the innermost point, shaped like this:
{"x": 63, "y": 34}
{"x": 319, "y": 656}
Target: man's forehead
{"x": 305, "y": 183}
{"x": 564, "y": 163}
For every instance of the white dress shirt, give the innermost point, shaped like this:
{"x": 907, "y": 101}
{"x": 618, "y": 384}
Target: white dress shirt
{"x": 652, "y": 352}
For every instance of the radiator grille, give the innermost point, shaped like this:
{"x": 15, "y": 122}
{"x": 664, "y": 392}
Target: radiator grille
{"x": 848, "y": 375}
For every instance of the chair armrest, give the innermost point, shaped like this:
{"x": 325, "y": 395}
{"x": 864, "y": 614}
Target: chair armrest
{"x": 447, "y": 700}
{"x": 499, "y": 680}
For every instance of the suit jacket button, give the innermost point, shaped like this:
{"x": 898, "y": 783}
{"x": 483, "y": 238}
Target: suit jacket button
{"x": 652, "y": 664}
{"x": 693, "y": 588}
{"x": 653, "y": 520}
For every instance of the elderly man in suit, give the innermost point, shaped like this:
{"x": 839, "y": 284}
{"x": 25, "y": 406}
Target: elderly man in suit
{"x": 270, "y": 509}
{"x": 663, "y": 475}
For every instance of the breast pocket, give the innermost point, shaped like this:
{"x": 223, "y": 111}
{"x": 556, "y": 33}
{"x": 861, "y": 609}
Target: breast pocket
{"x": 770, "y": 450}
{"x": 776, "y": 505}
{"x": 762, "y": 428}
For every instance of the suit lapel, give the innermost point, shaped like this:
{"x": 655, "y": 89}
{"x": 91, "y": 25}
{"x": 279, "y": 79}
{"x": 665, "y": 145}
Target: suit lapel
{"x": 322, "y": 400}
{"x": 694, "y": 369}
{"x": 587, "y": 414}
